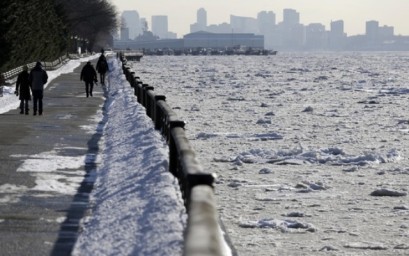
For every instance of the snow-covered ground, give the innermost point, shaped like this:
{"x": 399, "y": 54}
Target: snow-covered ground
{"x": 137, "y": 207}
{"x": 311, "y": 150}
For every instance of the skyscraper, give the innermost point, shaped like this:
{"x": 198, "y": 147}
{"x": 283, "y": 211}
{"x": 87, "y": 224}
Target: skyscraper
{"x": 337, "y": 36}
{"x": 160, "y": 26}
{"x": 132, "y": 22}
{"x": 291, "y": 17}
{"x": 202, "y": 19}
{"x": 337, "y": 27}
{"x": 243, "y": 24}
{"x": 266, "y": 21}
{"x": 372, "y": 29}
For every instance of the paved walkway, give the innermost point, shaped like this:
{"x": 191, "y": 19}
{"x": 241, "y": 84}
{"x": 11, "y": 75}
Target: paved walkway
{"x": 36, "y": 222}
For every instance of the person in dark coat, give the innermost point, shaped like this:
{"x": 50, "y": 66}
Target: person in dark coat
{"x": 102, "y": 67}
{"x": 89, "y": 76}
{"x": 23, "y": 90}
{"x": 38, "y": 78}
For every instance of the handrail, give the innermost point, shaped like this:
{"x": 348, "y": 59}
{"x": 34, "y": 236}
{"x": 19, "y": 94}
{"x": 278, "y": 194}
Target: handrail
{"x": 47, "y": 65}
{"x": 203, "y": 234}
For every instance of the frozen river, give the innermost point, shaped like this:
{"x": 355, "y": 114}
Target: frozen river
{"x": 311, "y": 150}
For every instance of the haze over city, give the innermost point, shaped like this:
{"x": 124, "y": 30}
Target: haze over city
{"x": 182, "y": 13}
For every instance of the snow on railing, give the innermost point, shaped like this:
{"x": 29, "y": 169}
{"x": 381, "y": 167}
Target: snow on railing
{"x": 203, "y": 233}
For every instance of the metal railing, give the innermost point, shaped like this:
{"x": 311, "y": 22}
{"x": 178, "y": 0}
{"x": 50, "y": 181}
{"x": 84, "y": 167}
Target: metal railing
{"x": 203, "y": 234}
{"x": 47, "y": 65}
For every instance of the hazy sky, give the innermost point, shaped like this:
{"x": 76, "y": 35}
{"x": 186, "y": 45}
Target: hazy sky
{"x": 182, "y": 13}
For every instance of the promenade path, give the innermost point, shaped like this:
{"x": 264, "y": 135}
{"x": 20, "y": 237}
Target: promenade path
{"x": 32, "y": 220}
{"x": 48, "y": 170}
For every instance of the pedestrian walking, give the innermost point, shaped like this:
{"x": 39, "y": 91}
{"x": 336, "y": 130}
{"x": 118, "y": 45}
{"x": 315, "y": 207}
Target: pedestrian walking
{"x": 38, "y": 78}
{"x": 89, "y": 76}
{"x": 23, "y": 90}
{"x": 102, "y": 67}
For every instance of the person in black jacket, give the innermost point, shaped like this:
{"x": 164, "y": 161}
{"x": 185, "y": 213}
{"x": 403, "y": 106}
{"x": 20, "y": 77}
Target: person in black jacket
{"x": 89, "y": 76}
{"x": 102, "y": 67}
{"x": 38, "y": 78}
{"x": 23, "y": 90}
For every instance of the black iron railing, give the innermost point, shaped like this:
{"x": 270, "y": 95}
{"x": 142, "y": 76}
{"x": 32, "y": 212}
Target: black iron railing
{"x": 203, "y": 235}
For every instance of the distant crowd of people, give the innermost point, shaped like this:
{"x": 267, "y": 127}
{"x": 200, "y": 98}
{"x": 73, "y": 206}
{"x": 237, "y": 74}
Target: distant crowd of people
{"x": 32, "y": 83}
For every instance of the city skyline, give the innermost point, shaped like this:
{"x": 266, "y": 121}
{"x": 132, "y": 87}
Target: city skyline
{"x": 353, "y": 13}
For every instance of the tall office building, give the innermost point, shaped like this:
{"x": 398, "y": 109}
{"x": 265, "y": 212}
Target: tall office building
{"x": 316, "y": 37}
{"x": 372, "y": 29}
{"x": 243, "y": 24}
{"x": 337, "y": 37}
{"x": 337, "y": 27}
{"x": 201, "y": 21}
{"x": 160, "y": 26}
{"x": 386, "y": 31}
{"x": 292, "y": 32}
{"x": 291, "y": 17}
{"x": 266, "y": 21}
{"x": 202, "y": 18}
{"x": 266, "y": 26}
{"x": 124, "y": 34}
{"x": 132, "y": 22}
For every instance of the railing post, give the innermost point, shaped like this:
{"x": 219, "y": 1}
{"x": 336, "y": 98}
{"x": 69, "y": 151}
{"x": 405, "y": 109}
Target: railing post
{"x": 147, "y": 99}
{"x": 135, "y": 85}
{"x": 157, "y": 116}
{"x": 173, "y": 152}
{"x": 142, "y": 94}
{"x": 203, "y": 234}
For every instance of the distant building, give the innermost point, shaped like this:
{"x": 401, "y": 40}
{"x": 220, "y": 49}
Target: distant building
{"x": 132, "y": 21}
{"x": 243, "y": 24}
{"x": 176, "y": 44}
{"x": 220, "y": 28}
{"x": 124, "y": 34}
{"x": 291, "y": 34}
{"x": 266, "y": 27}
{"x": 223, "y": 41}
{"x": 337, "y": 37}
{"x": 202, "y": 18}
{"x": 266, "y": 21}
{"x": 290, "y": 18}
{"x": 372, "y": 30}
{"x": 316, "y": 38}
{"x": 386, "y": 32}
{"x": 201, "y": 21}
{"x": 160, "y": 26}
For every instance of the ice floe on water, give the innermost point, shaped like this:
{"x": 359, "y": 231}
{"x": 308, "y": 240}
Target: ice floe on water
{"x": 319, "y": 135}
{"x": 330, "y": 156}
{"x": 282, "y": 225}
